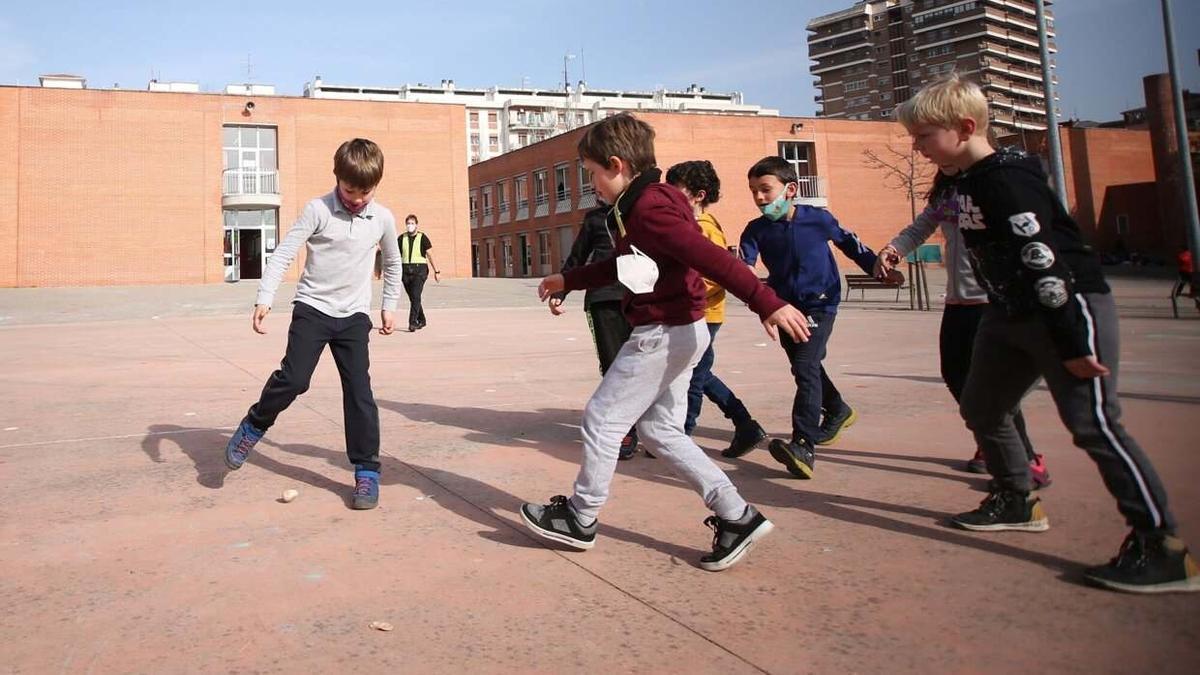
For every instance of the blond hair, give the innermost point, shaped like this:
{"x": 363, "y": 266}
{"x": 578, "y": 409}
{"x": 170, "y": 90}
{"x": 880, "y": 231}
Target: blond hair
{"x": 945, "y": 103}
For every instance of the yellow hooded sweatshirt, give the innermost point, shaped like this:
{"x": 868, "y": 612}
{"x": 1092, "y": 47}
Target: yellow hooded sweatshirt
{"x": 714, "y": 294}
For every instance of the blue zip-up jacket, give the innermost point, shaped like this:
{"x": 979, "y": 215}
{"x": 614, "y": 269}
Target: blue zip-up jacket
{"x": 799, "y": 263}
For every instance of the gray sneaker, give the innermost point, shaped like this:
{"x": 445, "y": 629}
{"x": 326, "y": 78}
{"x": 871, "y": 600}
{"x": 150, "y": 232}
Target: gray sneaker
{"x": 556, "y": 521}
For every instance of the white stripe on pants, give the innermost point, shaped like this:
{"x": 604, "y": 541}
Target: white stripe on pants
{"x": 647, "y": 384}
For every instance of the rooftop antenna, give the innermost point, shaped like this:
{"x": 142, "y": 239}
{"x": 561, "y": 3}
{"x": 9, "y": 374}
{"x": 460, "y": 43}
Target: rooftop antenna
{"x": 249, "y": 70}
{"x": 566, "y": 80}
{"x": 582, "y": 66}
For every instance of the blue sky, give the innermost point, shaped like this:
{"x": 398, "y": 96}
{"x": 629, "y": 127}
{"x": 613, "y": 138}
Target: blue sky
{"x": 1106, "y": 46}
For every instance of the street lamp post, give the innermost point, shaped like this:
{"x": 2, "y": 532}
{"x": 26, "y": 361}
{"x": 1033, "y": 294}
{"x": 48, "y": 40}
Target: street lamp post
{"x": 1055, "y": 149}
{"x": 1185, "y": 152}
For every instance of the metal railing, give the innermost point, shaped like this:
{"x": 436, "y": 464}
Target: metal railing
{"x": 811, "y": 187}
{"x": 249, "y": 182}
{"x": 541, "y": 205}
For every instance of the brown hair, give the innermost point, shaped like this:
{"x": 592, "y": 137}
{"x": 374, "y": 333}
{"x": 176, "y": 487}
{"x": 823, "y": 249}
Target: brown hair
{"x": 621, "y": 135}
{"x": 359, "y": 164}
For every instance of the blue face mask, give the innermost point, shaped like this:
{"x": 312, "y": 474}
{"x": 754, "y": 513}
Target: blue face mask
{"x": 777, "y": 209}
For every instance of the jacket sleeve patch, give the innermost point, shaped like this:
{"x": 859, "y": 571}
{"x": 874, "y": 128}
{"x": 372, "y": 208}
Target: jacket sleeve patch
{"x": 1037, "y": 256}
{"x": 1025, "y": 224}
{"x": 1051, "y": 292}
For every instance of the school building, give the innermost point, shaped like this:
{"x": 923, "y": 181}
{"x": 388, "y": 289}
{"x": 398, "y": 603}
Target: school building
{"x": 527, "y": 205}
{"x": 174, "y": 186}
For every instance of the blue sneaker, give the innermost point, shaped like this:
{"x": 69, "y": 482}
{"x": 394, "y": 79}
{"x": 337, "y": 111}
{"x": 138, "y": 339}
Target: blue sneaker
{"x": 243, "y": 441}
{"x": 366, "y": 489}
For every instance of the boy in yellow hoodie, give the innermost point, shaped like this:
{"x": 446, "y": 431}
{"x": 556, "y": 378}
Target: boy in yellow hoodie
{"x": 698, "y": 181}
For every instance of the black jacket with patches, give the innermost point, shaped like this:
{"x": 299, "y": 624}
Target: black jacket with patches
{"x": 1026, "y": 249}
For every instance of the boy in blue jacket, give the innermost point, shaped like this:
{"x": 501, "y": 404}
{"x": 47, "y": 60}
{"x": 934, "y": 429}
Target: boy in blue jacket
{"x": 793, "y": 241}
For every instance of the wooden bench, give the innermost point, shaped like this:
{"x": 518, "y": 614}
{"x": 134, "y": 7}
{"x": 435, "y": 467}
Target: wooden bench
{"x": 861, "y": 282}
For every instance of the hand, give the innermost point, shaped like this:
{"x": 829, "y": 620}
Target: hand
{"x": 387, "y": 321}
{"x": 551, "y": 285}
{"x": 556, "y": 306}
{"x": 437, "y": 276}
{"x": 791, "y": 320}
{"x": 887, "y": 260}
{"x": 1085, "y": 367}
{"x": 260, "y": 313}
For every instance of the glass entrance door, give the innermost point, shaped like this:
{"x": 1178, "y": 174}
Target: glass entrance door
{"x": 250, "y": 237}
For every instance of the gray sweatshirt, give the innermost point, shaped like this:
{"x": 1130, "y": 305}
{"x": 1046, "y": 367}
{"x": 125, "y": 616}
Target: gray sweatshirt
{"x": 340, "y": 260}
{"x": 961, "y": 286}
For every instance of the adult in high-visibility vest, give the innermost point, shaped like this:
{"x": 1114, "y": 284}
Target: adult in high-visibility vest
{"x": 416, "y": 261}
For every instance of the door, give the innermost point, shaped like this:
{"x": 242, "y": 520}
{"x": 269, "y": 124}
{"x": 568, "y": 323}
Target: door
{"x": 250, "y": 254}
{"x": 523, "y": 251}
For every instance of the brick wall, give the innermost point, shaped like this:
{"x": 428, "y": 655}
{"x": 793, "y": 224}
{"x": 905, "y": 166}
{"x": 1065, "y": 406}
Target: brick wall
{"x": 124, "y": 187}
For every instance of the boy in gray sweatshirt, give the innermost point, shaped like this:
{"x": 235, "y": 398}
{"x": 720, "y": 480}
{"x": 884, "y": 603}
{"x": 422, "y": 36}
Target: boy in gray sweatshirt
{"x": 340, "y": 232}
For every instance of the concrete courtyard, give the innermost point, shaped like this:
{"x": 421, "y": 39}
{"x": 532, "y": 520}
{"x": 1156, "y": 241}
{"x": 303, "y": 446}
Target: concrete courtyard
{"x": 126, "y": 547}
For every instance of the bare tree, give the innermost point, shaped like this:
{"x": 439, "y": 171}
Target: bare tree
{"x": 903, "y": 170}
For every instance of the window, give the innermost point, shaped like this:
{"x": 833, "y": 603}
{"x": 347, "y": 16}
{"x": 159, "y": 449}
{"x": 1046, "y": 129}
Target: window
{"x": 502, "y": 196}
{"x": 799, "y": 155}
{"x": 490, "y": 260}
{"x": 475, "y": 142}
{"x": 474, "y": 117}
{"x": 492, "y": 120}
{"x": 580, "y": 119}
{"x": 938, "y": 51}
{"x": 886, "y": 114}
{"x": 585, "y": 179}
{"x": 493, "y": 143}
{"x": 539, "y": 187}
{"x": 522, "y": 193}
{"x": 487, "y": 201}
{"x": 474, "y": 207}
{"x": 857, "y": 101}
{"x": 856, "y": 85}
{"x": 885, "y": 96}
{"x": 506, "y": 255}
{"x": 1122, "y": 223}
{"x": 544, "y": 248}
{"x": 562, "y": 191}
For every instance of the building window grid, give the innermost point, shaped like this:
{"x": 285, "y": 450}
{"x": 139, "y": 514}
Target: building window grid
{"x": 544, "y": 250}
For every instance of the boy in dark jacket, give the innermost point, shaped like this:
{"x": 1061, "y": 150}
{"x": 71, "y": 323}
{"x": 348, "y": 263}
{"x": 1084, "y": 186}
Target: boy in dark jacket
{"x": 1050, "y": 314}
{"x": 610, "y": 330}
{"x": 659, "y": 251}
{"x": 794, "y": 243}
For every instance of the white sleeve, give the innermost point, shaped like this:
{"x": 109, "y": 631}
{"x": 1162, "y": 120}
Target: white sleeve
{"x": 284, "y": 254}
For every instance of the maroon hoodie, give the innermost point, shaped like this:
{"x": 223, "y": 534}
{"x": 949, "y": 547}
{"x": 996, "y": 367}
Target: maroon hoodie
{"x": 659, "y": 221}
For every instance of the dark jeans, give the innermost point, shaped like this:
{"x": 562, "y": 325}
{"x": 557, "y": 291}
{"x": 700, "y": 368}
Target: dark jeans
{"x": 704, "y": 383}
{"x": 610, "y": 330}
{"x": 814, "y": 390}
{"x": 956, "y": 341}
{"x": 1011, "y": 354}
{"x": 347, "y": 338}
{"x": 414, "y": 277}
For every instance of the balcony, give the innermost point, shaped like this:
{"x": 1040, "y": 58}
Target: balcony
{"x": 487, "y": 217}
{"x": 541, "y": 205}
{"x": 522, "y": 209}
{"x": 249, "y": 188}
{"x": 503, "y": 216}
{"x": 587, "y": 197}
{"x": 810, "y": 191}
{"x": 563, "y": 203}
{"x": 523, "y": 120}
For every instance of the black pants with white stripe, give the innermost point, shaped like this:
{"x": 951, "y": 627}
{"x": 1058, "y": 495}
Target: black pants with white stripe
{"x": 1010, "y": 355}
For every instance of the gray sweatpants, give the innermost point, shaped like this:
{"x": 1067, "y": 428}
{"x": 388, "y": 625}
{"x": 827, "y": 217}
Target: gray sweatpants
{"x": 647, "y": 384}
{"x": 1010, "y": 355}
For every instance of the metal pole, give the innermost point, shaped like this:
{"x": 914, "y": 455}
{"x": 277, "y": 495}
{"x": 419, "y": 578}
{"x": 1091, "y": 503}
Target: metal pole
{"x": 1056, "y": 163}
{"x": 1185, "y": 152}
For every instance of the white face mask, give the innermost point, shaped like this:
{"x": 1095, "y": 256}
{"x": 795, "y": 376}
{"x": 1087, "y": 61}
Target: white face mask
{"x": 637, "y": 271}
{"x": 411, "y": 227}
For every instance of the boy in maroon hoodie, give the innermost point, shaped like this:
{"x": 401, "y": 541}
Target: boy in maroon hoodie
{"x": 660, "y": 257}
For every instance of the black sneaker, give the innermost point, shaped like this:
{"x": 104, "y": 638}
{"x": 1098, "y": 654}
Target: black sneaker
{"x": 1148, "y": 563}
{"x": 628, "y": 445}
{"x": 744, "y": 440}
{"x": 833, "y": 425}
{"x": 366, "y": 490}
{"x": 797, "y": 456}
{"x": 732, "y": 539}
{"x": 1005, "y": 510}
{"x": 557, "y": 522}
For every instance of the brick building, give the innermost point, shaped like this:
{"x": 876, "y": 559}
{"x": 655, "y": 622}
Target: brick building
{"x": 104, "y": 187}
{"x": 526, "y": 205}
{"x": 874, "y": 55}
